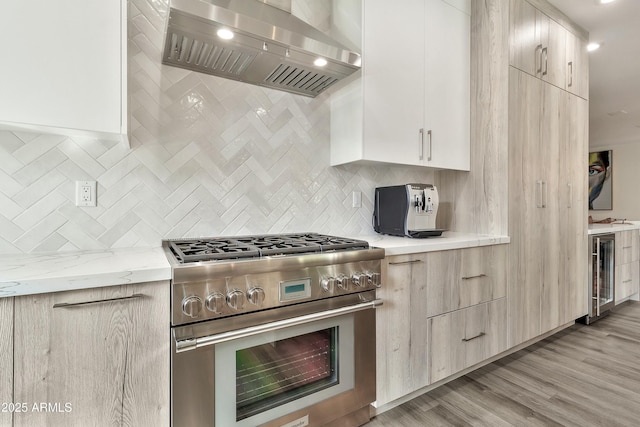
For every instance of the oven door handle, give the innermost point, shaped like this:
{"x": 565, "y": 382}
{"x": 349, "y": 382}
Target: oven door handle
{"x": 193, "y": 343}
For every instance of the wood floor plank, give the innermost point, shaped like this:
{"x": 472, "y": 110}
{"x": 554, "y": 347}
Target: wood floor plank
{"x": 586, "y": 375}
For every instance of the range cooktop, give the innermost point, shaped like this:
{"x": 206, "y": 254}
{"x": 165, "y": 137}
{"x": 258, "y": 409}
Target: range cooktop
{"x": 247, "y": 247}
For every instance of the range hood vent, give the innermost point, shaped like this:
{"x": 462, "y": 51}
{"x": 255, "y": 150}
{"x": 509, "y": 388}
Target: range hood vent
{"x": 270, "y": 47}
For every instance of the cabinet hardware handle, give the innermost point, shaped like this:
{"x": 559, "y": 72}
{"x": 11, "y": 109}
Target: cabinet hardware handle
{"x": 545, "y": 53}
{"x": 627, "y": 247}
{"x": 474, "y": 277}
{"x": 626, "y": 281}
{"x": 421, "y": 144}
{"x": 430, "y": 147}
{"x": 570, "y": 74}
{"x": 538, "y": 59}
{"x": 570, "y": 204}
{"x": 481, "y": 334}
{"x": 539, "y": 195}
{"x": 544, "y": 194}
{"x": 412, "y": 261}
{"x": 102, "y": 301}
{"x": 598, "y": 276}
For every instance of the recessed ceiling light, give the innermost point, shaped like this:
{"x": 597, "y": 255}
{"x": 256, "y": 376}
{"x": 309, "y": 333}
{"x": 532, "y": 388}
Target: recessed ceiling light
{"x": 593, "y": 46}
{"x": 225, "y": 34}
{"x": 615, "y": 113}
{"x": 320, "y": 62}
{"x": 606, "y": 1}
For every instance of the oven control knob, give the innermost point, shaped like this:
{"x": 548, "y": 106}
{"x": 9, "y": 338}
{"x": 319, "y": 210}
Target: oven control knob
{"x": 191, "y": 306}
{"x": 214, "y": 302}
{"x": 343, "y": 282}
{"x": 359, "y": 279}
{"x": 328, "y": 284}
{"x": 256, "y": 296}
{"x": 373, "y": 279}
{"x": 235, "y": 300}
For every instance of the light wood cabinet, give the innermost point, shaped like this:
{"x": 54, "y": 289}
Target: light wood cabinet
{"x": 66, "y": 67}
{"x": 6, "y": 360}
{"x": 542, "y": 47}
{"x": 101, "y": 355}
{"x": 464, "y": 277}
{"x": 411, "y": 105}
{"x": 627, "y": 264}
{"x": 463, "y": 338}
{"x": 418, "y": 287}
{"x": 547, "y": 221}
{"x": 401, "y": 328}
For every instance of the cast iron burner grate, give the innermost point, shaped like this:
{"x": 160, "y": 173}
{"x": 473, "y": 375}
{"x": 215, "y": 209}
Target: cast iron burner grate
{"x": 245, "y": 247}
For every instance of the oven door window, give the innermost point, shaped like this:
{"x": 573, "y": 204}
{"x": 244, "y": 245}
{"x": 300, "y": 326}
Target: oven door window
{"x": 269, "y": 375}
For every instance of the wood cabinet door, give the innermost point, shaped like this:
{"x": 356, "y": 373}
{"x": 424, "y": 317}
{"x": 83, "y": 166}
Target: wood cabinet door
{"x": 393, "y": 81}
{"x": 526, "y": 215}
{"x": 6, "y": 360}
{"x": 553, "y": 55}
{"x": 401, "y": 328}
{"x": 524, "y": 42}
{"x": 577, "y": 62}
{"x": 103, "y": 359}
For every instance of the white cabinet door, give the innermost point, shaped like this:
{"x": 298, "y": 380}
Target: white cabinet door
{"x": 393, "y": 78}
{"x": 447, "y": 87}
{"x": 65, "y": 66}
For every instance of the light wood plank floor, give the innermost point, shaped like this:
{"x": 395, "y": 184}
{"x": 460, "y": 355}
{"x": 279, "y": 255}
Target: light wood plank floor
{"x": 582, "y": 376}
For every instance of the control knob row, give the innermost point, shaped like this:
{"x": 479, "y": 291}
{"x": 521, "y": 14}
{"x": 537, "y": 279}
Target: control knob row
{"x": 215, "y": 302}
{"x": 344, "y": 282}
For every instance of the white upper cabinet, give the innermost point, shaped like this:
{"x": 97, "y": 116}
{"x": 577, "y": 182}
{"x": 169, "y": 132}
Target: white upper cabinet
{"x": 65, "y": 67}
{"x": 411, "y": 103}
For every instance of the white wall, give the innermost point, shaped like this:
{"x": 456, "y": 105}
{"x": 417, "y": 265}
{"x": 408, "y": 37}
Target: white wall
{"x": 625, "y": 176}
{"x": 208, "y": 157}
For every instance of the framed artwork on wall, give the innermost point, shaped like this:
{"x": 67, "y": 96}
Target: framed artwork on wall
{"x": 600, "y": 188}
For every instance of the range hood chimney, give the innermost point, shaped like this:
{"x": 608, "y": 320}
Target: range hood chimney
{"x": 268, "y": 46}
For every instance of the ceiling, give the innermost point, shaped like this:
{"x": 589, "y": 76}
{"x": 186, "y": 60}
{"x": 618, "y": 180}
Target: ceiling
{"x": 614, "y": 69}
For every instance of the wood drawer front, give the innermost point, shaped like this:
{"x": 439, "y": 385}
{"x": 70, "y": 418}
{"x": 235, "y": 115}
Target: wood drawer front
{"x": 627, "y": 277}
{"x": 465, "y": 277}
{"x": 465, "y": 337}
{"x": 627, "y": 245}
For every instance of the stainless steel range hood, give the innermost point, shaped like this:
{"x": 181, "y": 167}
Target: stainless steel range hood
{"x": 270, "y": 47}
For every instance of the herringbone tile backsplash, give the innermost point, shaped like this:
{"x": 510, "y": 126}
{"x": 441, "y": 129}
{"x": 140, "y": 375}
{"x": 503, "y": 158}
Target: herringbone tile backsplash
{"x": 208, "y": 157}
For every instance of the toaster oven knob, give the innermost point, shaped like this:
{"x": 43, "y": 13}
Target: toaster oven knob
{"x": 214, "y": 302}
{"x": 256, "y": 296}
{"x": 235, "y": 300}
{"x": 191, "y": 306}
{"x": 359, "y": 279}
{"x": 328, "y": 284}
{"x": 343, "y": 282}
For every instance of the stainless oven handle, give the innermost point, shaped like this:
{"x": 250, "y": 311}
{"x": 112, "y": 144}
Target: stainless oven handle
{"x": 192, "y": 344}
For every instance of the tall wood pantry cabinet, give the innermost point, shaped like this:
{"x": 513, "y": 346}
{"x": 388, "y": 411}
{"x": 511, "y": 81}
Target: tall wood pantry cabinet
{"x": 547, "y": 188}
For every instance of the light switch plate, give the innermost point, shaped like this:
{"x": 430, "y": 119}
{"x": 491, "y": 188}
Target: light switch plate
{"x": 356, "y": 199}
{"x": 86, "y": 193}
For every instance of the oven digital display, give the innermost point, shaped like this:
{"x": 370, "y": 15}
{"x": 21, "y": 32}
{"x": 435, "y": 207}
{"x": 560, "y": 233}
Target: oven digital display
{"x": 291, "y": 290}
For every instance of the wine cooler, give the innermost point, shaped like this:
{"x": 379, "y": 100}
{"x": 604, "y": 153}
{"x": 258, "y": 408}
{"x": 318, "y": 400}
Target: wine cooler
{"x": 602, "y": 276}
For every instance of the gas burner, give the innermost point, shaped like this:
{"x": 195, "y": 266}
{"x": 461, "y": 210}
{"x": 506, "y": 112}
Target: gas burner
{"x": 247, "y": 247}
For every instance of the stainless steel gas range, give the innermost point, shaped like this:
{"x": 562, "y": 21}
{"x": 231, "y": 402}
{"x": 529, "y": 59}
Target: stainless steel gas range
{"x": 273, "y": 330}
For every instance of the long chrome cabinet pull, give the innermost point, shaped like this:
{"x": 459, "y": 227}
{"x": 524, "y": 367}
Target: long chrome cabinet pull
{"x": 421, "y": 144}
{"x": 430, "y": 147}
{"x": 474, "y": 277}
{"x": 545, "y": 53}
{"x": 481, "y": 334}
{"x": 539, "y": 203}
{"x": 193, "y": 343}
{"x": 570, "y": 204}
{"x": 538, "y": 59}
{"x": 570, "y": 74}
{"x": 598, "y": 276}
{"x": 411, "y": 261}
{"x": 102, "y": 301}
{"x": 544, "y": 194}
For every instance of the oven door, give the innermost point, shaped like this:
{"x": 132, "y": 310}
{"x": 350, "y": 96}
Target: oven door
{"x": 305, "y": 370}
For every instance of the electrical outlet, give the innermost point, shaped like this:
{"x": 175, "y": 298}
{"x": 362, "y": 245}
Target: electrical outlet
{"x": 86, "y": 193}
{"x": 356, "y": 199}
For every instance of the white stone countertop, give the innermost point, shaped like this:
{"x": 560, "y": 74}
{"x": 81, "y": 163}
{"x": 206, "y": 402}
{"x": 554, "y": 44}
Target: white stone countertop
{"x": 26, "y": 274}
{"x": 449, "y": 240}
{"x": 613, "y": 227}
